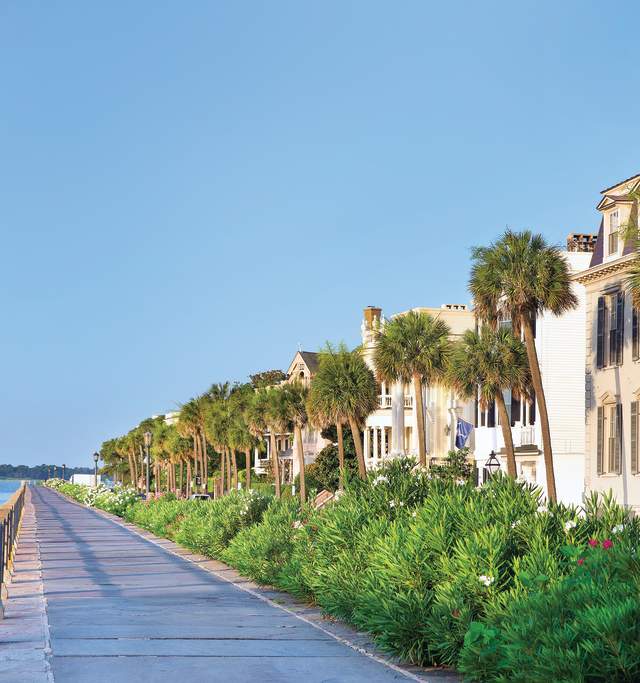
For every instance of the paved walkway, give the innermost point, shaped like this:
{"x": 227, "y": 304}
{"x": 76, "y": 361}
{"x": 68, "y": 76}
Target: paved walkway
{"x": 120, "y": 608}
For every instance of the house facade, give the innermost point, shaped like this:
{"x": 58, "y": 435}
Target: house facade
{"x": 612, "y": 353}
{"x": 391, "y": 430}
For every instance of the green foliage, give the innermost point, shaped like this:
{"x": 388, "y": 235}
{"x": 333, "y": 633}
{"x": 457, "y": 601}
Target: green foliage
{"x": 456, "y": 466}
{"x": 326, "y": 468}
{"x": 585, "y": 627}
{"x": 210, "y": 525}
{"x": 268, "y": 378}
{"x": 260, "y": 551}
{"x": 161, "y": 516}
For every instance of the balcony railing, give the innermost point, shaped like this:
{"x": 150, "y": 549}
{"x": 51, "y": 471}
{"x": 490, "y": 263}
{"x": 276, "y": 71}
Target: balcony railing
{"x": 385, "y": 401}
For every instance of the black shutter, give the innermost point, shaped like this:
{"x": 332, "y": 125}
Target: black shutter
{"x": 618, "y": 453}
{"x": 634, "y": 437}
{"x": 600, "y": 439}
{"x": 619, "y": 327}
{"x": 635, "y": 341}
{"x": 600, "y": 333}
{"x": 491, "y": 415}
{"x": 515, "y": 409}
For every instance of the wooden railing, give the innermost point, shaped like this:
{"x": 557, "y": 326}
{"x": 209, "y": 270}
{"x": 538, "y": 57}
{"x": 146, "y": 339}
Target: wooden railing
{"x": 10, "y": 515}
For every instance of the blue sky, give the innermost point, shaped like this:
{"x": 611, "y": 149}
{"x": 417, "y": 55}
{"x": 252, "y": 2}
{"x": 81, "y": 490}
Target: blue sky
{"x": 190, "y": 189}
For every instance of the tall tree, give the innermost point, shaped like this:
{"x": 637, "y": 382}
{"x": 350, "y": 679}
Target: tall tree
{"x": 260, "y": 420}
{"x": 484, "y": 365}
{"x": 240, "y": 435}
{"x": 343, "y": 390}
{"x": 518, "y": 278}
{"x": 414, "y": 348}
{"x": 295, "y": 397}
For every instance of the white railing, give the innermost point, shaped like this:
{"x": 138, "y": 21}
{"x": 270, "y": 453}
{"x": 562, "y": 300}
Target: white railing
{"x": 527, "y": 435}
{"x": 408, "y": 401}
{"x": 384, "y": 401}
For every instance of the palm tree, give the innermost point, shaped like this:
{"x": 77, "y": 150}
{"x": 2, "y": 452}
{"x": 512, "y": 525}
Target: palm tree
{"x": 259, "y": 418}
{"x": 414, "y": 348}
{"x": 485, "y": 364}
{"x": 343, "y": 391}
{"x": 240, "y": 435}
{"x": 518, "y": 278}
{"x": 295, "y": 397}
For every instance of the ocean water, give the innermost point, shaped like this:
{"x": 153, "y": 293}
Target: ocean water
{"x": 7, "y": 487}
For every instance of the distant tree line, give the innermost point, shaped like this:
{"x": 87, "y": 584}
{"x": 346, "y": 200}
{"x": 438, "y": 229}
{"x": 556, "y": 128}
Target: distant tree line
{"x": 39, "y": 471}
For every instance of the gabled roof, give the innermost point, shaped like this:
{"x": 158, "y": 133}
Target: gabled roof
{"x": 598, "y": 252}
{"x": 309, "y": 358}
{"x": 621, "y": 182}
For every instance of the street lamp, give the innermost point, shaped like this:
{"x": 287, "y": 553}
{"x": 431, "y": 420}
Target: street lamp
{"x": 147, "y": 444}
{"x": 96, "y": 457}
{"x": 493, "y": 464}
{"x": 64, "y": 467}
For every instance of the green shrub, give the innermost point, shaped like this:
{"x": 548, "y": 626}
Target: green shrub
{"x": 210, "y": 525}
{"x": 262, "y": 550}
{"x": 585, "y": 627}
{"x": 161, "y": 516}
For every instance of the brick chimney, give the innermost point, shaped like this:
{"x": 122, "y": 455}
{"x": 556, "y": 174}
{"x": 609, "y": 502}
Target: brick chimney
{"x": 581, "y": 241}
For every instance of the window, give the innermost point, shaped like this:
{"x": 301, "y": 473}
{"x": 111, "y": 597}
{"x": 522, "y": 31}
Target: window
{"x": 609, "y": 442}
{"x": 634, "y": 437}
{"x": 610, "y": 330}
{"x": 614, "y": 226}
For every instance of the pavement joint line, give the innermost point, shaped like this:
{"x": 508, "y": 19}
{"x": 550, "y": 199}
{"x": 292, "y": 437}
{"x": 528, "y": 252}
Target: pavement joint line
{"x": 164, "y": 545}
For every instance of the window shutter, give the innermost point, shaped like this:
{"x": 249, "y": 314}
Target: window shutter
{"x": 634, "y": 437}
{"x": 617, "y": 468}
{"x": 600, "y": 333}
{"x": 600, "y": 439}
{"x": 635, "y": 338}
{"x": 620, "y": 327}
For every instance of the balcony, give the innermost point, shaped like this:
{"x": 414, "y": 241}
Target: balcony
{"x": 488, "y": 439}
{"x": 384, "y": 401}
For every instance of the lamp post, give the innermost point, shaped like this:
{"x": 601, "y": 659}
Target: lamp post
{"x": 49, "y": 472}
{"x": 55, "y": 471}
{"x": 147, "y": 444}
{"x": 96, "y": 457}
{"x": 493, "y": 464}
{"x": 64, "y": 467}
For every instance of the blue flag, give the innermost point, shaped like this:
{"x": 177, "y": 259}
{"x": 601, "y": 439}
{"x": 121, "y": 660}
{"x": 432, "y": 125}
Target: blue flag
{"x": 463, "y": 430}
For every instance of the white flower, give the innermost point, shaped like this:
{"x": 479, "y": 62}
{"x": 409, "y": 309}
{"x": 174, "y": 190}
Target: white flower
{"x": 515, "y": 524}
{"x": 298, "y": 524}
{"x": 414, "y": 514}
{"x": 460, "y": 482}
{"x": 570, "y": 524}
{"x": 542, "y": 509}
{"x": 380, "y": 479}
{"x": 392, "y": 503}
{"x": 486, "y": 580}
{"x": 617, "y": 528}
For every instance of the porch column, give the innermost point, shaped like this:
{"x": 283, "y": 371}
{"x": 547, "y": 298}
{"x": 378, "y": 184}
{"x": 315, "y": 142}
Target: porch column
{"x": 367, "y": 442}
{"x": 375, "y": 443}
{"x": 397, "y": 419}
{"x": 383, "y": 444}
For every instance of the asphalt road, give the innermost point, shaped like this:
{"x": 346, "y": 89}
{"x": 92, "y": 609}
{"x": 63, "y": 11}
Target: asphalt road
{"x": 123, "y": 609}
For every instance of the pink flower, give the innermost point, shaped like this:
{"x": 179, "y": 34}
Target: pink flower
{"x": 607, "y": 543}
{"x": 581, "y": 561}
{"x": 594, "y": 543}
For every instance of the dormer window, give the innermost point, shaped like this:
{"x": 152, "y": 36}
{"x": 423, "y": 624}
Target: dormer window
{"x": 614, "y": 229}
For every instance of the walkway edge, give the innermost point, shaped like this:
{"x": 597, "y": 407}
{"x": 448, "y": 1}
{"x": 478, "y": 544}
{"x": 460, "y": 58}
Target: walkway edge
{"x": 342, "y": 633}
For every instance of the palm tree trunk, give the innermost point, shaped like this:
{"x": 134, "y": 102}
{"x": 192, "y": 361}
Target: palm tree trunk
{"x": 506, "y": 434}
{"x": 132, "y": 472}
{"x": 181, "y": 477}
{"x": 422, "y": 449}
{"x": 234, "y": 467}
{"x": 299, "y": 447}
{"x": 275, "y": 462}
{"x": 228, "y": 468}
{"x": 340, "y": 454}
{"x": 536, "y": 380}
{"x": 188, "y": 478}
{"x": 357, "y": 441}
{"x": 205, "y": 463}
{"x": 247, "y": 455}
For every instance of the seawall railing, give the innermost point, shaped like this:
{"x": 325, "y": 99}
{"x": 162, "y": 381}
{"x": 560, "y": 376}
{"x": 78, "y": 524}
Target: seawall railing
{"x": 10, "y": 516}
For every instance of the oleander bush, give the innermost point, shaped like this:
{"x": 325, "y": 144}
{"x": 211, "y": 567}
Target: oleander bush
{"x": 210, "y": 525}
{"x": 260, "y": 551}
{"x": 161, "y": 516}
